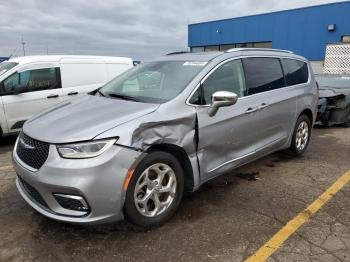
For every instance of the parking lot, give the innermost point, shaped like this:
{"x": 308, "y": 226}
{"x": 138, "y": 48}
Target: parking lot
{"x": 228, "y": 219}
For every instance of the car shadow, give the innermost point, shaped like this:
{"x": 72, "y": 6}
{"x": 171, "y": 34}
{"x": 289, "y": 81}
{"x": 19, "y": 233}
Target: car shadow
{"x": 8, "y": 140}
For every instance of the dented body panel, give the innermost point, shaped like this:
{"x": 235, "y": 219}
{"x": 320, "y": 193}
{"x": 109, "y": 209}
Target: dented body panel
{"x": 334, "y": 100}
{"x": 333, "y": 107}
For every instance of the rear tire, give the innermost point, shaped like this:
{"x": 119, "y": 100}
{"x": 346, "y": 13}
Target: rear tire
{"x": 155, "y": 190}
{"x": 301, "y": 135}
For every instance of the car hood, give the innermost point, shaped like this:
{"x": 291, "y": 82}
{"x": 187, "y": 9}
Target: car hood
{"x": 83, "y": 118}
{"x": 330, "y": 92}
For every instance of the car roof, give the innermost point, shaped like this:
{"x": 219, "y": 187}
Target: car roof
{"x": 58, "y": 58}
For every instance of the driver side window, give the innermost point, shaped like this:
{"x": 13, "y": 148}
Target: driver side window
{"x": 228, "y": 77}
{"x": 11, "y": 82}
{"x": 32, "y": 80}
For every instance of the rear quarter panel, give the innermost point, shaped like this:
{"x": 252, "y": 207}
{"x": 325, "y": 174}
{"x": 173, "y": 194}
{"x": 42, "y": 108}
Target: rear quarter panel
{"x": 307, "y": 97}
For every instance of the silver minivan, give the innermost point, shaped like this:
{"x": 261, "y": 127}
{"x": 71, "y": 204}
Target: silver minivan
{"x": 131, "y": 148}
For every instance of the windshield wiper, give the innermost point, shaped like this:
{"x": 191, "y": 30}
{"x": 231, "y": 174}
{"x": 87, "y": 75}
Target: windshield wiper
{"x": 124, "y": 97}
{"x": 100, "y": 93}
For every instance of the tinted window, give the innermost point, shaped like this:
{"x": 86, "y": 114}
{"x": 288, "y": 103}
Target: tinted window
{"x": 296, "y": 71}
{"x": 32, "y": 80}
{"x": 263, "y": 74}
{"x": 228, "y": 77}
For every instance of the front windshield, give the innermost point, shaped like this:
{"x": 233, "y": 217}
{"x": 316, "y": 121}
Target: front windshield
{"x": 6, "y": 66}
{"x": 153, "y": 82}
{"x": 325, "y": 81}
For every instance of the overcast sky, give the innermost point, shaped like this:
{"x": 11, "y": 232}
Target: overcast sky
{"x": 134, "y": 28}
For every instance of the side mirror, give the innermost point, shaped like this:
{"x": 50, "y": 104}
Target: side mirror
{"x": 220, "y": 99}
{"x": 18, "y": 89}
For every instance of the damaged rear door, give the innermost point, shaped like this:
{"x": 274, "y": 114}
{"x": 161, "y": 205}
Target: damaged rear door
{"x": 228, "y": 138}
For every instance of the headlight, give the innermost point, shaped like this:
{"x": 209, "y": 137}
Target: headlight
{"x": 85, "y": 150}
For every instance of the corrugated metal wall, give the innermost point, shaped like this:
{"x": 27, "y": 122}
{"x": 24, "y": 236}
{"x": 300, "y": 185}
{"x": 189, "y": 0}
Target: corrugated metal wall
{"x": 303, "y": 31}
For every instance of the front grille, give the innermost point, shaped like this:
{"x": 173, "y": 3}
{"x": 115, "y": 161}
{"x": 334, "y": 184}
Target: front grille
{"x": 33, "y": 193}
{"x": 32, "y": 152}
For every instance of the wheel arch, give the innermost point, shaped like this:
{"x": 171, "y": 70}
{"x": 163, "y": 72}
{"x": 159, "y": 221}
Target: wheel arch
{"x": 308, "y": 113}
{"x": 183, "y": 158}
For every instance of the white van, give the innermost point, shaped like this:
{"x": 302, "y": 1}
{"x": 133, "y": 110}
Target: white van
{"x": 31, "y": 84}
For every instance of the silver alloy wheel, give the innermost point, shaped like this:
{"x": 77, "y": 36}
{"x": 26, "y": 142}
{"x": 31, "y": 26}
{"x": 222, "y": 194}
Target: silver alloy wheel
{"x": 302, "y": 135}
{"x": 155, "y": 190}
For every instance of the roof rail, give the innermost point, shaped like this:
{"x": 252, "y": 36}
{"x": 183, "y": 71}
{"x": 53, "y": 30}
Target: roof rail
{"x": 178, "y": 53}
{"x": 257, "y": 49}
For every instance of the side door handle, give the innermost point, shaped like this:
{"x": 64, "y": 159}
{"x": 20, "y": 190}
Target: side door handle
{"x": 251, "y": 110}
{"x": 262, "y": 106}
{"x": 52, "y": 96}
{"x": 73, "y": 93}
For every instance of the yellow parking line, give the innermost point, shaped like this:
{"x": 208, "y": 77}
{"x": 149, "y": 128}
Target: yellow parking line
{"x": 278, "y": 239}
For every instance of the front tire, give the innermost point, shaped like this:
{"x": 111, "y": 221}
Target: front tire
{"x": 155, "y": 190}
{"x": 301, "y": 135}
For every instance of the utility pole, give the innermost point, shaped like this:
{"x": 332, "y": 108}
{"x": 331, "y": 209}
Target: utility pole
{"x": 23, "y": 44}
{"x": 47, "y": 49}
{"x": 13, "y": 52}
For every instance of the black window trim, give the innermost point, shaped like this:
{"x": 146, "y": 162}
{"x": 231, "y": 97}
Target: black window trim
{"x": 241, "y": 57}
{"x": 283, "y": 72}
{"x": 58, "y": 79}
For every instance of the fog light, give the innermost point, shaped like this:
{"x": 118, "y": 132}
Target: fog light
{"x": 72, "y": 202}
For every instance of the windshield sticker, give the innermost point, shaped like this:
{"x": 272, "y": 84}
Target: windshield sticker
{"x": 190, "y": 63}
{"x": 345, "y": 77}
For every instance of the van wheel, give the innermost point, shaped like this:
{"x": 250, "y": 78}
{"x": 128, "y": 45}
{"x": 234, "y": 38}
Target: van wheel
{"x": 155, "y": 190}
{"x": 301, "y": 135}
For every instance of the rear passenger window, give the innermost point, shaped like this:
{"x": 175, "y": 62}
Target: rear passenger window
{"x": 263, "y": 74}
{"x": 296, "y": 71}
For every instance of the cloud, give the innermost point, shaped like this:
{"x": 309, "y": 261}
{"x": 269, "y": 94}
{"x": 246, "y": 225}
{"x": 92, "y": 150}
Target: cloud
{"x": 133, "y": 28}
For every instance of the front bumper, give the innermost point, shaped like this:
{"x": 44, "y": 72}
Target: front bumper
{"x": 331, "y": 111}
{"x": 98, "y": 180}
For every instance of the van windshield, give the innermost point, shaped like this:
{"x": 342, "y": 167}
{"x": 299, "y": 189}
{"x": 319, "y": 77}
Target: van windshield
{"x": 6, "y": 66}
{"x": 153, "y": 82}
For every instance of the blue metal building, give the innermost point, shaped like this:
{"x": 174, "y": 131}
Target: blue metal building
{"x": 2, "y": 58}
{"x": 305, "y": 31}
